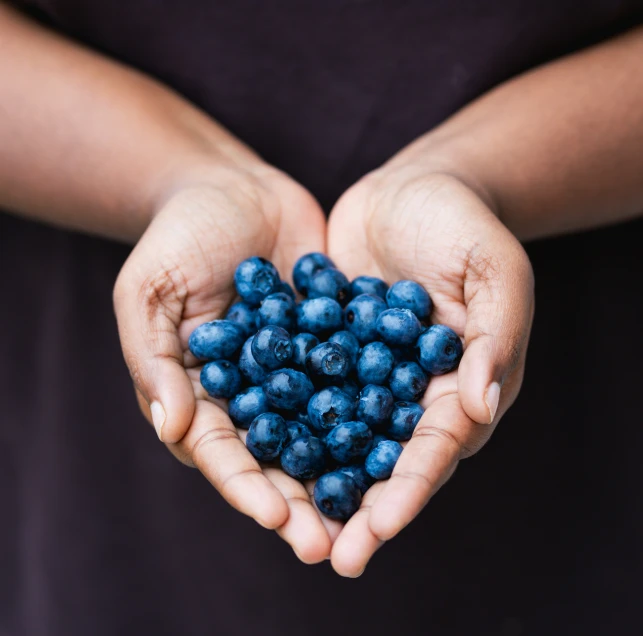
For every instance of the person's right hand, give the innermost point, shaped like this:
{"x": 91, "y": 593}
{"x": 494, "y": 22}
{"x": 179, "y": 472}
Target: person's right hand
{"x": 179, "y": 276}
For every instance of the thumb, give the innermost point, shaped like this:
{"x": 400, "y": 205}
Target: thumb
{"x": 499, "y": 294}
{"x": 148, "y": 311}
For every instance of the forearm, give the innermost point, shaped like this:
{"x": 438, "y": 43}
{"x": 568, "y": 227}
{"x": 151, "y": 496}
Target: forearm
{"x": 557, "y": 149}
{"x": 92, "y": 145}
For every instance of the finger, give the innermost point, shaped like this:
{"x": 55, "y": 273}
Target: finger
{"x": 443, "y": 436}
{"x": 214, "y": 447}
{"x": 148, "y": 311}
{"x": 304, "y": 530}
{"x": 499, "y": 297}
{"x": 357, "y": 543}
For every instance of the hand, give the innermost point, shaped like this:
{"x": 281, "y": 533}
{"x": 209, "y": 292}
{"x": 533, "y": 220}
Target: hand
{"x": 401, "y": 223}
{"x": 179, "y": 276}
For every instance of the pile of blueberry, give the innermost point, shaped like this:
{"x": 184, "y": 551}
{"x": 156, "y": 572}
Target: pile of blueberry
{"x": 330, "y": 383}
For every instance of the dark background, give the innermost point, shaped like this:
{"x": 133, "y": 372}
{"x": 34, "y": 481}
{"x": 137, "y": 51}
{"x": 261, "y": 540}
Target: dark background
{"x": 103, "y": 532}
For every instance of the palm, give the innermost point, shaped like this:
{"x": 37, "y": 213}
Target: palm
{"x": 187, "y": 261}
{"x": 436, "y": 233}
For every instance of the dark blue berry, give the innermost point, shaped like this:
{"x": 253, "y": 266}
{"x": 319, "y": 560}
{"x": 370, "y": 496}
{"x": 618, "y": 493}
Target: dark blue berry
{"x": 221, "y": 379}
{"x": 327, "y": 363}
{"x": 247, "y": 405}
{"x": 382, "y": 459}
{"x": 358, "y": 473}
{"x": 319, "y": 316}
{"x": 285, "y": 288}
{"x": 351, "y": 389}
{"x": 277, "y": 309}
{"x": 375, "y": 363}
{"x": 306, "y": 267}
{"x": 398, "y": 327}
{"x": 407, "y": 294}
{"x": 330, "y": 283}
{"x": 255, "y": 278}
{"x": 248, "y": 366}
{"x": 245, "y": 316}
{"x": 288, "y": 389}
{"x": 296, "y": 430}
{"x": 377, "y": 438}
{"x": 302, "y": 344}
{"x": 438, "y": 349}
{"x": 375, "y": 406}
{"x": 349, "y": 441}
{"x": 337, "y": 495}
{"x": 267, "y": 436}
{"x": 408, "y": 381}
{"x": 216, "y": 340}
{"x": 404, "y": 419}
{"x": 271, "y": 347}
{"x": 329, "y": 407}
{"x": 369, "y": 285}
{"x": 347, "y": 341}
{"x": 304, "y": 458}
{"x": 360, "y": 317}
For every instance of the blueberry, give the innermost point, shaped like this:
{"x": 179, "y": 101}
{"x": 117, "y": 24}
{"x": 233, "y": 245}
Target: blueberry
{"x": 375, "y": 405}
{"x": 398, "y": 327}
{"x": 337, "y": 495}
{"x": 296, "y": 430}
{"x": 438, "y": 349}
{"x": 255, "y": 278}
{"x": 277, "y": 309}
{"x": 288, "y": 389}
{"x": 285, "y": 288}
{"x": 347, "y": 341}
{"x": 221, "y": 379}
{"x": 304, "y": 458}
{"x": 375, "y": 363}
{"x": 327, "y": 363}
{"x": 319, "y": 316}
{"x": 351, "y": 389}
{"x": 248, "y": 366}
{"x": 382, "y": 459}
{"x": 267, "y": 436}
{"x": 408, "y": 381}
{"x": 369, "y": 285}
{"x": 329, "y": 283}
{"x": 349, "y": 441}
{"x": 216, "y": 340}
{"x": 329, "y": 407}
{"x": 404, "y": 419}
{"x": 359, "y": 475}
{"x": 245, "y": 406}
{"x": 377, "y": 438}
{"x": 245, "y": 316}
{"x": 361, "y": 315}
{"x": 271, "y": 347}
{"x": 403, "y": 354}
{"x": 306, "y": 267}
{"x": 407, "y": 294}
{"x": 302, "y": 344}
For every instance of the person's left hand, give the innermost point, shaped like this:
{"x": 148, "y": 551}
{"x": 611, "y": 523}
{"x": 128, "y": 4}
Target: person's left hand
{"x": 402, "y": 222}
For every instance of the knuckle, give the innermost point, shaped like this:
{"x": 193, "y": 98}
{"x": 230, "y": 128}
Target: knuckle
{"x": 453, "y": 448}
{"x": 163, "y": 291}
{"x": 210, "y": 438}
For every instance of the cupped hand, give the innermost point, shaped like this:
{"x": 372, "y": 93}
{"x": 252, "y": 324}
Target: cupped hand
{"x": 179, "y": 276}
{"x": 403, "y": 223}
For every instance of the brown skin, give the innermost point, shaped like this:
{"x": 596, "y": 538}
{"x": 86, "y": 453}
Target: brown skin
{"x": 556, "y": 149}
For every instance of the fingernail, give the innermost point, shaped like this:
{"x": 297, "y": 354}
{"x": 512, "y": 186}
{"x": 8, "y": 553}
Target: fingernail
{"x": 492, "y": 397}
{"x": 356, "y": 576}
{"x": 158, "y": 418}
